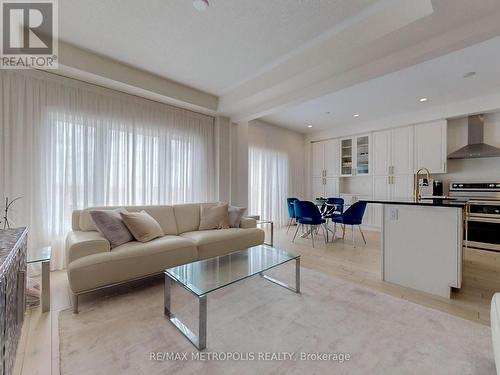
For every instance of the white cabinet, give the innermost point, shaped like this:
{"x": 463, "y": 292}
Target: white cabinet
{"x": 392, "y": 151}
{"x": 331, "y": 157}
{"x": 381, "y": 156}
{"x": 317, "y": 187}
{"x": 355, "y": 156}
{"x": 390, "y": 187}
{"x": 325, "y": 158}
{"x": 317, "y": 159}
{"x": 331, "y": 187}
{"x": 325, "y": 187}
{"x": 325, "y": 168}
{"x": 346, "y": 157}
{"x": 430, "y": 146}
{"x": 402, "y": 146}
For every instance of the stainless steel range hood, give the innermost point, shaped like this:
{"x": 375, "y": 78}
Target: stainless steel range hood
{"x": 475, "y": 148}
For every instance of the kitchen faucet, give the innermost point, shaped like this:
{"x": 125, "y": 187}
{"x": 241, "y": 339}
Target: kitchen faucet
{"x": 417, "y": 184}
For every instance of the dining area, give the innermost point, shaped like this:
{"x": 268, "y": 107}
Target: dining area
{"x": 330, "y": 218}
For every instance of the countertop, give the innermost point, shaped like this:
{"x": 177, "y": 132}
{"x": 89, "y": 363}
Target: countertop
{"x": 456, "y": 203}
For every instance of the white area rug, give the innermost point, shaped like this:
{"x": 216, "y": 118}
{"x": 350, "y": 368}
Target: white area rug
{"x": 382, "y": 334}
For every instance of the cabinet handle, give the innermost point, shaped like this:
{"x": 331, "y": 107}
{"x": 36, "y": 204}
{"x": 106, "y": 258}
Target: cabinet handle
{"x": 388, "y": 180}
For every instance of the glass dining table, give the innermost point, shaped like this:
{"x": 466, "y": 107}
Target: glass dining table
{"x": 326, "y": 209}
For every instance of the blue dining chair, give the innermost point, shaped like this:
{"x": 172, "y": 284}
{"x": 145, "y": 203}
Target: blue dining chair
{"x": 291, "y": 212}
{"x": 307, "y": 214}
{"x": 339, "y": 207}
{"x": 352, "y": 216}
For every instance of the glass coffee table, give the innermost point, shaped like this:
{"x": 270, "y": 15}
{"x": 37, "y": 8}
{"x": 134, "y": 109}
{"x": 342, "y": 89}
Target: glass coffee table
{"x": 205, "y": 276}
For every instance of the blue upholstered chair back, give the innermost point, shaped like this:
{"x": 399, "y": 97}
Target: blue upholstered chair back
{"x": 307, "y": 212}
{"x": 339, "y": 202}
{"x": 291, "y": 209}
{"x": 354, "y": 214}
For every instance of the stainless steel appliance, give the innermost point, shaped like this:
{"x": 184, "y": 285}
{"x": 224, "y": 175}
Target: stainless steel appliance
{"x": 482, "y": 213}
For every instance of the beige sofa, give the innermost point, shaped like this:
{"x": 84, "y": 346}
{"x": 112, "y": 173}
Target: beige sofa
{"x": 92, "y": 264}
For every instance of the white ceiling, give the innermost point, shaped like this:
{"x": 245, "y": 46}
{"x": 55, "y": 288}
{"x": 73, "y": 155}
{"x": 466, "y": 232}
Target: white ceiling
{"x": 214, "y": 50}
{"x": 290, "y": 61}
{"x": 440, "y": 80}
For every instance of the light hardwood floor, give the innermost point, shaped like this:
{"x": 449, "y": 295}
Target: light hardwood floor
{"x": 39, "y": 347}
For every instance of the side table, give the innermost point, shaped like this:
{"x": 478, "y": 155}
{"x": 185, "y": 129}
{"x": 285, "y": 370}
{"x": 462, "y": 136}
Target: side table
{"x": 42, "y": 255}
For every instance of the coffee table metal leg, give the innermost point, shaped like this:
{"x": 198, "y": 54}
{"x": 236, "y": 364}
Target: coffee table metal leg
{"x": 200, "y": 341}
{"x": 202, "y": 323}
{"x": 297, "y": 275}
{"x": 167, "y": 296}
{"x": 45, "y": 288}
{"x": 282, "y": 284}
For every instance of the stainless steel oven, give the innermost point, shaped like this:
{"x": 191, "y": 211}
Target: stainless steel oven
{"x": 482, "y": 213}
{"x": 482, "y": 229}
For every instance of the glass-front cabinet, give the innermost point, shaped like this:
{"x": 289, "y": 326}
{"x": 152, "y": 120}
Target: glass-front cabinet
{"x": 362, "y": 155}
{"x": 346, "y": 157}
{"x": 355, "y": 156}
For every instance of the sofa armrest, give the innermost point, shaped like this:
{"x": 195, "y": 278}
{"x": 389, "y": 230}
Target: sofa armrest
{"x": 80, "y": 244}
{"x": 248, "y": 222}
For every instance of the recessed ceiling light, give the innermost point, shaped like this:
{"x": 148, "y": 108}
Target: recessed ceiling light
{"x": 309, "y": 126}
{"x": 423, "y": 99}
{"x": 356, "y": 115}
{"x": 469, "y": 74}
{"x": 201, "y": 5}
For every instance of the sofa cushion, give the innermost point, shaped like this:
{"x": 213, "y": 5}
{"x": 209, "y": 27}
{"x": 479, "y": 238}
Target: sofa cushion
{"x": 142, "y": 225}
{"x": 187, "y": 217}
{"x": 213, "y": 243}
{"x": 164, "y": 215}
{"x": 110, "y": 224}
{"x": 214, "y": 216}
{"x": 235, "y": 215}
{"x": 128, "y": 261}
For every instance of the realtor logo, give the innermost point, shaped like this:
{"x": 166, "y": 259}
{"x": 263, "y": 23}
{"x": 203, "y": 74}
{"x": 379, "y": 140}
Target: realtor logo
{"x": 29, "y": 34}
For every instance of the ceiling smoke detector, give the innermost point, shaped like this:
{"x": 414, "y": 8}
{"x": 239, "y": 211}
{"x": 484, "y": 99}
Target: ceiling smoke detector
{"x": 201, "y": 5}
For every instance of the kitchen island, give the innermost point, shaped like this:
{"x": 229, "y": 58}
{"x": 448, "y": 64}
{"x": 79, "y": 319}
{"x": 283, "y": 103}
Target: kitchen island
{"x": 422, "y": 243}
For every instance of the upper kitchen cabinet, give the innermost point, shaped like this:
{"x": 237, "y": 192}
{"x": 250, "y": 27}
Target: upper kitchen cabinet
{"x": 362, "y": 155}
{"x": 402, "y": 147}
{"x": 355, "y": 156}
{"x": 332, "y": 155}
{"x": 430, "y": 146}
{"x": 392, "y": 152}
{"x": 325, "y": 158}
{"x": 346, "y": 157}
{"x": 317, "y": 159}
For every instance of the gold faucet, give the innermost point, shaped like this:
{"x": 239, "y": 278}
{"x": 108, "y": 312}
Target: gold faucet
{"x": 417, "y": 184}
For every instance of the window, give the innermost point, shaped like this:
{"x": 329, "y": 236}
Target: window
{"x": 268, "y": 184}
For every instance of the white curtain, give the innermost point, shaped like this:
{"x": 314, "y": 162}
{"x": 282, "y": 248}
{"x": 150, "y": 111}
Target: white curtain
{"x": 275, "y": 169}
{"x": 67, "y": 145}
{"x": 268, "y": 183}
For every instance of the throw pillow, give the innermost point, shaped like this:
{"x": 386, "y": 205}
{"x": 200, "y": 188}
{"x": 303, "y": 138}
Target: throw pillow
{"x": 235, "y": 215}
{"x": 142, "y": 225}
{"x": 111, "y": 226}
{"x": 214, "y": 216}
